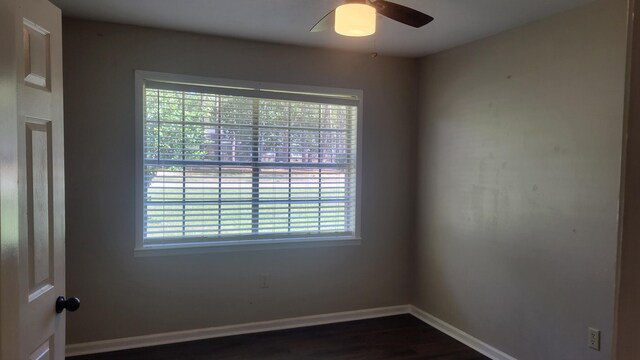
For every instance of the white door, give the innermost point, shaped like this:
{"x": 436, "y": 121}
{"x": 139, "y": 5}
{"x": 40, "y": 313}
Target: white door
{"x": 31, "y": 182}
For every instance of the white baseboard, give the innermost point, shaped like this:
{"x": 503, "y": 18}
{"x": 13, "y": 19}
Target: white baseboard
{"x": 289, "y": 323}
{"x": 219, "y": 331}
{"x": 460, "y": 335}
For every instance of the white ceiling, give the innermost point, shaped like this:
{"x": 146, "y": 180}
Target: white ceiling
{"x": 288, "y": 21}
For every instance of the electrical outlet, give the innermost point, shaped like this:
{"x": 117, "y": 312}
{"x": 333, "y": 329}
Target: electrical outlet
{"x": 594, "y": 339}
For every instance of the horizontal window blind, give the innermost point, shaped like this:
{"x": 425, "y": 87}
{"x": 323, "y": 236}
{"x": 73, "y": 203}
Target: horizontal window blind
{"x": 224, "y": 164}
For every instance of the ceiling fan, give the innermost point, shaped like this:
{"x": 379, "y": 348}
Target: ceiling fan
{"x": 357, "y": 17}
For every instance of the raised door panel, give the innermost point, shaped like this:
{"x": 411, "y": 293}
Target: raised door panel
{"x": 39, "y": 191}
{"x": 43, "y": 352}
{"x": 37, "y": 55}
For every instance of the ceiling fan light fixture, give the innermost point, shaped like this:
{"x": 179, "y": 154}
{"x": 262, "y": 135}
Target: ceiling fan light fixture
{"x": 355, "y": 19}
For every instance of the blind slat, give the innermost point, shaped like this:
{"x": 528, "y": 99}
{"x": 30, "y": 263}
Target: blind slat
{"x": 257, "y": 93}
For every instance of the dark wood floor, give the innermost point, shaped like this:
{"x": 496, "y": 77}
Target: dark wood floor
{"x": 393, "y": 337}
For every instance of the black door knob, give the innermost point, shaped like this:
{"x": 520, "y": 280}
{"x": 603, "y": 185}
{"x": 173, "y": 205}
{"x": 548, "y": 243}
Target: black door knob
{"x": 70, "y": 304}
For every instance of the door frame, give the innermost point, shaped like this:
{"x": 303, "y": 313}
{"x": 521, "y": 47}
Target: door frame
{"x": 627, "y": 302}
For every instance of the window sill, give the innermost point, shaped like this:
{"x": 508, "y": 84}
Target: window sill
{"x": 244, "y": 245}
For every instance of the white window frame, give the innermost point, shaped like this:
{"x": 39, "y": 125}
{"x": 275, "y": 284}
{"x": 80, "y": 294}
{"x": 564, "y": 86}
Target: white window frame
{"x": 250, "y": 244}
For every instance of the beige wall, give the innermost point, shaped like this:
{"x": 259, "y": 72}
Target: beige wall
{"x": 127, "y": 296}
{"x": 519, "y": 171}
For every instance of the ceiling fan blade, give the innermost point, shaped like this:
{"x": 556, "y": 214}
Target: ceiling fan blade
{"x": 401, "y": 13}
{"x": 325, "y": 23}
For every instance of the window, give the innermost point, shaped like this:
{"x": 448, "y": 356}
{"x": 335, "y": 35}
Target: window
{"x": 229, "y": 163}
